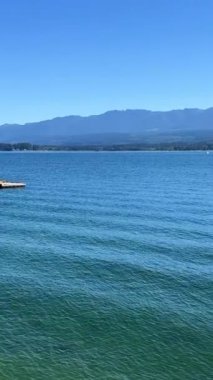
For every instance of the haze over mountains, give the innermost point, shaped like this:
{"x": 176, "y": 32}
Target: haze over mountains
{"x": 116, "y": 127}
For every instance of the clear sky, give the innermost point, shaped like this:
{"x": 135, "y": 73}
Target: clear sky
{"x": 63, "y": 57}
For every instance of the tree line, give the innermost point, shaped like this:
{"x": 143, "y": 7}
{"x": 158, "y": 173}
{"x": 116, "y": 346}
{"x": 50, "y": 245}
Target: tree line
{"x": 114, "y": 147}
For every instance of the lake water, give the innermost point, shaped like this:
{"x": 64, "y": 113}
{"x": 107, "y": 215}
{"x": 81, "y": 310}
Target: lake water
{"x": 106, "y": 266}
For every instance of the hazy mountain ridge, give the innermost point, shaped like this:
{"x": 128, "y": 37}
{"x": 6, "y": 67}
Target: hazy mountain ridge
{"x": 116, "y": 127}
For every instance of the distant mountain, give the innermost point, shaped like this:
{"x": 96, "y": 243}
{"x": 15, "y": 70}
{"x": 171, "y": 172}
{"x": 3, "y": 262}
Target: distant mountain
{"x": 116, "y": 127}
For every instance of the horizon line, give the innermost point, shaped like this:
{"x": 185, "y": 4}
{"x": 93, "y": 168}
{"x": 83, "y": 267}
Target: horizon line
{"x": 108, "y": 111}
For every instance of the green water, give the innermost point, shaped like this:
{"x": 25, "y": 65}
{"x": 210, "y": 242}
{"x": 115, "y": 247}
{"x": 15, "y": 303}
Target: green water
{"x": 106, "y": 266}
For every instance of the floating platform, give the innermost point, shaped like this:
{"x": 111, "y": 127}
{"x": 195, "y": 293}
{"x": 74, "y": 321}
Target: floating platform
{"x": 11, "y": 185}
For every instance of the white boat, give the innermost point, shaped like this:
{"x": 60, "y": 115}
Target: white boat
{"x": 11, "y": 185}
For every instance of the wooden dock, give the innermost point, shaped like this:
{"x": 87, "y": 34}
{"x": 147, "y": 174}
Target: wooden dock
{"x": 11, "y": 185}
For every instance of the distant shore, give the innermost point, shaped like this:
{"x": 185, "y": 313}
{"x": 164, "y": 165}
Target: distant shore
{"x": 169, "y": 147}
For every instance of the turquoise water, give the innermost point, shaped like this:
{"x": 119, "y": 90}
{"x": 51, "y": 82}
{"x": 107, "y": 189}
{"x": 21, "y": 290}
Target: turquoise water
{"x": 106, "y": 266}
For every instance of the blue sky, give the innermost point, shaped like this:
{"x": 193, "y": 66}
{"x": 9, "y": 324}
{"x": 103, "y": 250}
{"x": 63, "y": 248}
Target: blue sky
{"x": 62, "y": 57}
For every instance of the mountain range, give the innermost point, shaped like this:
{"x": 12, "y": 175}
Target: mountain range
{"x": 116, "y": 127}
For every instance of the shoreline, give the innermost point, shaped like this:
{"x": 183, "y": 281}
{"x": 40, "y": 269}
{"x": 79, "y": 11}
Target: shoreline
{"x": 207, "y": 151}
